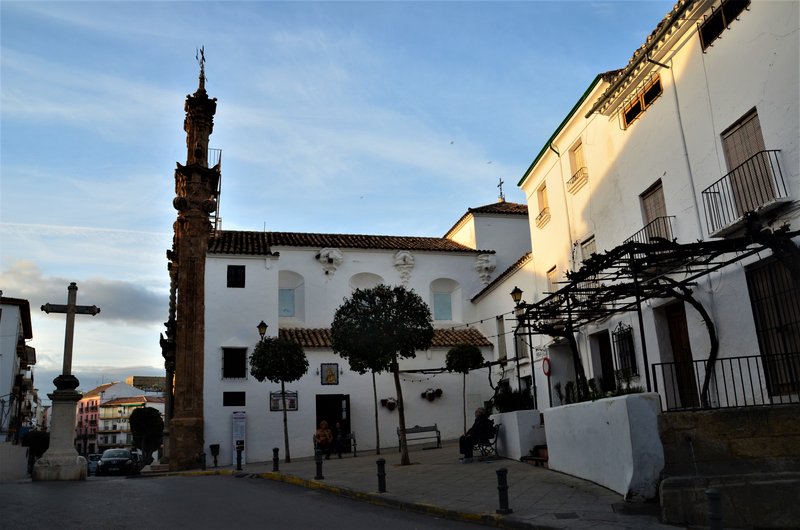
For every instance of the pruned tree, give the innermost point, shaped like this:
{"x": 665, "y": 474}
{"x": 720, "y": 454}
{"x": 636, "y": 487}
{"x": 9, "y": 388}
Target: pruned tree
{"x": 375, "y": 328}
{"x": 462, "y": 358}
{"x": 280, "y": 361}
{"x": 147, "y": 428}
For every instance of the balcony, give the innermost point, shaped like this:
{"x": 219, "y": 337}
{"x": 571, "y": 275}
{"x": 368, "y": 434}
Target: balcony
{"x": 660, "y": 227}
{"x": 543, "y": 217}
{"x": 577, "y": 181}
{"x": 755, "y": 186}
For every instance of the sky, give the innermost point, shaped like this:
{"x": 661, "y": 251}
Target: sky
{"x": 382, "y": 118}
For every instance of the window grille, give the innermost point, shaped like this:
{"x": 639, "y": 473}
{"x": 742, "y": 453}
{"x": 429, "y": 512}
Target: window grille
{"x": 622, "y": 337}
{"x": 642, "y": 100}
{"x": 234, "y": 363}
{"x": 719, "y": 20}
{"x": 236, "y": 276}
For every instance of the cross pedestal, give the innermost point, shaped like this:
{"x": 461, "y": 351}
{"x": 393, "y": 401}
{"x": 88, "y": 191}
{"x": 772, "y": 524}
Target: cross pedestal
{"x": 61, "y": 461}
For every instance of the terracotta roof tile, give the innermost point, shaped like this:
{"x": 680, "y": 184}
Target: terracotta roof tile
{"x": 133, "y": 399}
{"x": 261, "y": 243}
{"x": 98, "y": 390}
{"x": 442, "y": 338}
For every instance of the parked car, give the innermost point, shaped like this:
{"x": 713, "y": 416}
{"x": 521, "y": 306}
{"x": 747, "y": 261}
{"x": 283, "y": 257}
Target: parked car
{"x": 91, "y": 462}
{"x": 118, "y": 461}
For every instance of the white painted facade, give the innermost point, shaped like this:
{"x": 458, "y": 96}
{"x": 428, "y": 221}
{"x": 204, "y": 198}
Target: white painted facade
{"x": 675, "y": 142}
{"x": 319, "y": 288}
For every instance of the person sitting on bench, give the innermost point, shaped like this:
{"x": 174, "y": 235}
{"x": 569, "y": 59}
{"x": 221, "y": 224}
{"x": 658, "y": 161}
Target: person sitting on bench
{"x": 480, "y": 431}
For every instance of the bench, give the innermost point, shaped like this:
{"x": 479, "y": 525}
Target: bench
{"x": 488, "y": 447}
{"x": 415, "y": 433}
{"x": 342, "y": 445}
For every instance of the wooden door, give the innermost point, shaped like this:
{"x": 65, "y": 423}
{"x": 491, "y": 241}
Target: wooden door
{"x": 684, "y": 374}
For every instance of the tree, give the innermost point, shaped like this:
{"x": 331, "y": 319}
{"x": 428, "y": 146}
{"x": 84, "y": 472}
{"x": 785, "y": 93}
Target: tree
{"x": 375, "y": 328}
{"x": 280, "y": 361}
{"x": 462, "y": 358}
{"x": 147, "y": 428}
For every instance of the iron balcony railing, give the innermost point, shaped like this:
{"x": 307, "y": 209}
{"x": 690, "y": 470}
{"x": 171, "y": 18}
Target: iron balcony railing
{"x": 660, "y": 227}
{"x": 578, "y": 180}
{"x": 543, "y": 217}
{"x": 757, "y": 182}
{"x": 749, "y": 381}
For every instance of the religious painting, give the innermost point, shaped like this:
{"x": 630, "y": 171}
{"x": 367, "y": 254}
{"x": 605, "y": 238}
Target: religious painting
{"x": 329, "y": 373}
{"x": 276, "y": 401}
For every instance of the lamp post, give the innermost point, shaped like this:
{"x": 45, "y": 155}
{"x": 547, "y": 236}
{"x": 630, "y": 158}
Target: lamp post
{"x": 519, "y": 312}
{"x": 262, "y": 329}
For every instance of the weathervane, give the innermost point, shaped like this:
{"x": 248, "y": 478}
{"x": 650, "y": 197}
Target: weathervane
{"x": 200, "y": 56}
{"x": 500, "y": 185}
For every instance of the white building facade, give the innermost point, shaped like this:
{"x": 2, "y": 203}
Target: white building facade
{"x": 698, "y": 129}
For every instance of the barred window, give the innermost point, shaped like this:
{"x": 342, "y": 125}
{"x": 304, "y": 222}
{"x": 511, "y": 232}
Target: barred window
{"x": 234, "y": 363}
{"x": 626, "y": 353}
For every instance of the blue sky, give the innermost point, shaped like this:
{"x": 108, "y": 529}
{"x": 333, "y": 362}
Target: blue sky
{"x": 356, "y": 117}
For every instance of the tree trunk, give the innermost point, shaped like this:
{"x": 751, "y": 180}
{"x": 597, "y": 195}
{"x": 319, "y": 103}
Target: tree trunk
{"x": 377, "y": 427}
{"x": 285, "y": 425}
{"x": 404, "y": 459}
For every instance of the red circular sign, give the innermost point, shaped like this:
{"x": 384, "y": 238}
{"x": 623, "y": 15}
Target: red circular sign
{"x": 546, "y": 366}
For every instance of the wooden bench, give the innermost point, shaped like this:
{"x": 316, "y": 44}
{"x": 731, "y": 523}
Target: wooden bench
{"x": 415, "y": 433}
{"x": 488, "y": 447}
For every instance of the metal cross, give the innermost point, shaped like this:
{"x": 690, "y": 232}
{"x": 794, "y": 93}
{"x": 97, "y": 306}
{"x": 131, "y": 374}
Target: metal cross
{"x": 500, "y": 185}
{"x": 71, "y": 310}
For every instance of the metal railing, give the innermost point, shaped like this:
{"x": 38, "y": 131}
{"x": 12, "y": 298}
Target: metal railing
{"x": 748, "y": 381}
{"x": 660, "y": 227}
{"x": 755, "y": 183}
{"x": 543, "y": 217}
{"x": 578, "y": 179}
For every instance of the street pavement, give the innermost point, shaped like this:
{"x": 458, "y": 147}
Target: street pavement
{"x": 438, "y": 484}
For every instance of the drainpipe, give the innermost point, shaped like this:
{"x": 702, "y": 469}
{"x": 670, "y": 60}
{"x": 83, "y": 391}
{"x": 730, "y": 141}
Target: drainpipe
{"x": 566, "y": 207}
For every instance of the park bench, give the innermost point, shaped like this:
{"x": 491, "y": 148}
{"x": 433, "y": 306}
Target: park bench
{"x": 488, "y": 447}
{"x": 416, "y": 433}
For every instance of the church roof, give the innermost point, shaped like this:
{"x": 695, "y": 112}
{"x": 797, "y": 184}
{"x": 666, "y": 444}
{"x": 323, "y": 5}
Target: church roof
{"x": 442, "y": 338}
{"x": 261, "y": 243}
{"x": 496, "y": 208}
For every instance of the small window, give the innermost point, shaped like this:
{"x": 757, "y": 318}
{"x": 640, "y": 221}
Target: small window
{"x": 286, "y": 302}
{"x": 719, "y": 20}
{"x": 236, "y": 276}
{"x": 642, "y": 100}
{"x": 552, "y": 280}
{"x": 501, "y": 338}
{"x": 626, "y": 353}
{"x": 233, "y": 399}
{"x": 234, "y": 363}
{"x": 544, "y": 206}
{"x": 442, "y": 306}
{"x": 588, "y": 248}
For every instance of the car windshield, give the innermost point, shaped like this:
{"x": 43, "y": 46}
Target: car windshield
{"x": 117, "y": 453}
{"x": 93, "y": 458}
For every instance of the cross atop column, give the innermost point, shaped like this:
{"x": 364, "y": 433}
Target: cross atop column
{"x": 71, "y": 309}
{"x": 500, "y": 185}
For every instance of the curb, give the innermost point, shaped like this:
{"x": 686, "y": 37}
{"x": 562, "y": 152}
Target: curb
{"x": 379, "y": 499}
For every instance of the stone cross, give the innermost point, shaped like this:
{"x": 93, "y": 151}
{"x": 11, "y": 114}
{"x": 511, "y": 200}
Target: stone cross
{"x": 71, "y": 309}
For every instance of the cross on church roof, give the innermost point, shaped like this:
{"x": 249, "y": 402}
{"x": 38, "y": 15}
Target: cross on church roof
{"x": 500, "y": 185}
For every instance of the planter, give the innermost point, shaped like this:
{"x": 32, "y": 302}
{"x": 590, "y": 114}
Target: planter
{"x": 519, "y": 432}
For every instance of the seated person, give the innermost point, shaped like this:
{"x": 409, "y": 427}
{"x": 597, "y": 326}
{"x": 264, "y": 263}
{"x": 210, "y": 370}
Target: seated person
{"x": 340, "y": 441}
{"x": 323, "y": 439}
{"x": 481, "y": 431}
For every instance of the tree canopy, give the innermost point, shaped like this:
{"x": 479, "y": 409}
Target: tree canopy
{"x": 374, "y": 328}
{"x": 462, "y": 358}
{"x": 147, "y": 428}
{"x": 278, "y": 360}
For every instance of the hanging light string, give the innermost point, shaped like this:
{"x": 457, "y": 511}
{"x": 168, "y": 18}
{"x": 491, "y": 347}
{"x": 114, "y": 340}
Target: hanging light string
{"x": 481, "y": 321}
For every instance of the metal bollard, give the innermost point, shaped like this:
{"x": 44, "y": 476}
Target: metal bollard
{"x": 381, "y": 475}
{"x": 203, "y": 461}
{"x": 275, "y": 459}
{"x": 714, "y": 509}
{"x": 502, "y": 490}
{"x": 239, "y": 458}
{"x": 318, "y": 461}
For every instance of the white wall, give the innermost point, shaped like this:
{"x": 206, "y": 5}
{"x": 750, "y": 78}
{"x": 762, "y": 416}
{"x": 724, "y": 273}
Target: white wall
{"x": 613, "y": 442}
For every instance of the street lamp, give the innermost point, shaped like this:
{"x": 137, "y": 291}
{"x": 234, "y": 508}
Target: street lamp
{"x": 519, "y": 312}
{"x": 262, "y": 329}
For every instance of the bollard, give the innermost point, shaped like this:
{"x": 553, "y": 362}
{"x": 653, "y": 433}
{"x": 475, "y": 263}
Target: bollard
{"x": 239, "y": 458}
{"x": 502, "y": 490}
{"x": 318, "y": 461}
{"x": 275, "y": 459}
{"x": 381, "y": 475}
{"x": 714, "y": 509}
{"x": 203, "y": 461}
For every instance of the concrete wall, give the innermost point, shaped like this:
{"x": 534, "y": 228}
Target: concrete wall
{"x": 613, "y": 442}
{"x": 520, "y": 431}
{"x": 13, "y": 461}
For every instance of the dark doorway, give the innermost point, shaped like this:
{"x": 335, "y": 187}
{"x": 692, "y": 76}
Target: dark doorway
{"x": 608, "y": 380}
{"x": 334, "y": 408}
{"x": 682, "y": 355}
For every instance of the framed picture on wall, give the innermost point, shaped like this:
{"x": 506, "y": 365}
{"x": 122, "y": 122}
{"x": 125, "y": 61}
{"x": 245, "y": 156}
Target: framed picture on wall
{"x": 329, "y": 373}
{"x": 276, "y": 401}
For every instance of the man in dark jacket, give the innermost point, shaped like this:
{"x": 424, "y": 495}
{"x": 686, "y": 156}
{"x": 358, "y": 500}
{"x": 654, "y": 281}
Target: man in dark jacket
{"x": 481, "y": 431}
